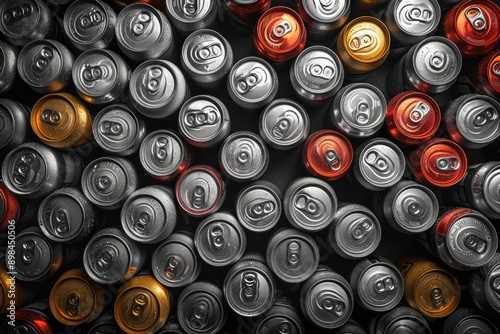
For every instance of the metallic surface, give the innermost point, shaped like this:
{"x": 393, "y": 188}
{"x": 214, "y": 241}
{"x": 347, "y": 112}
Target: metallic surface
{"x": 8, "y": 70}
{"x": 281, "y": 317}
{"x": 401, "y": 318}
{"x": 14, "y": 124}
{"x": 483, "y": 286}
{"x": 189, "y": 16}
{"x": 485, "y": 76}
{"x": 323, "y": 18}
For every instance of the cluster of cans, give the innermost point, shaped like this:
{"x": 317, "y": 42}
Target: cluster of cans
{"x": 117, "y": 229}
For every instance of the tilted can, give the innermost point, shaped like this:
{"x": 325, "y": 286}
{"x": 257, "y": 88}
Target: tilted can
{"x": 326, "y": 299}
{"x": 428, "y": 288}
{"x": 174, "y": 262}
{"x": 8, "y": 72}
{"x": 108, "y": 181}
{"x": 400, "y": 318}
{"x": 282, "y": 317}
{"x": 142, "y": 305}
{"x": 29, "y": 320}
{"x": 189, "y": 16}
{"x": 33, "y": 170}
{"x": 249, "y": 286}
{"x": 485, "y": 76}
{"x": 377, "y": 284}
{"x": 11, "y": 292}
{"x": 465, "y": 319}
{"x": 309, "y": 204}
{"x": 9, "y": 207}
{"x": 484, "y": 286}
{"x": 14, "y": 124}
{"x": 244, "y": 13}
{"x": 355, "y": 231}
{"x": 323, "y": 18}
{"x": 473, "y": 120}
{"x": 292, "y": 255}
{"x": 61, "y": 120}
{"x": 111, "y": 256}
{"x": 220, "y": 239}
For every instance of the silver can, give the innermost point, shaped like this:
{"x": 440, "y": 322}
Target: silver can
{"x": 401, "y": 317}
{"x": 472, "y": 120}
{"x": 117, "y": 130}
{"x": 144, "y": 33}
{"x": 252, "y": 83}
{"x": 149, "y": 215}
{"x": 292, "y": 255}
{"x": 326, "y": 299}
{"x": 243, "y": 156}
{"x": 309, "y": 204}
{"x": 355, "y": 231}
{"x": 108, "y": 181}
{"x": 204, "y": 121}
{"x": 158, "y": 89}
{"x": 101, "y": 76}
{"x": 174, "y": 262}
{"x": 207, "y": 57}
{"x": 317, "y": 73}
{"x": 15, "y": 127}
{"x": 377, "y": 284}
{"x": 258, "y": 206}
{"x": 466, "y": 320}
{"x": 8, "y": 72}
{"x": 323, "y": 17}
{"x": 220, "y": 239}
{"x": 358, "y": 110}
{"x": 378, "y": 164}
{"x": 484, "y": 286}
{"x": 90, "y": 24}
{"x": 282, "y": 317}
{"x": 191, "y": 15}
{"x": 284, "y": 124}
{"x": 249, "y": 286}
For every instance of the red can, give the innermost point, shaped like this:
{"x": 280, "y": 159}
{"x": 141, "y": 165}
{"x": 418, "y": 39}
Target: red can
{"x": 9, "y": 206}
{"x": 412, "y": 117}
{"x": 27, "y": 319}
{"x": 486, "y": 75}
{"x": 246, "y": 12}
{"x": 327, "y": 154}
{"x": 439, "y": 163}
{"x": 474, "y": 26}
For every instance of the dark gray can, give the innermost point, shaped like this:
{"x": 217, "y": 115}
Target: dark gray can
{"x": 192, "y": 15}
{"x": 350, "y": 327}
{"x": 15, "y": 127}
{"x": 467, "y": 320}
{"x": 392, "y": 322}
{"x": 484, "y": 286}
{"x": 8, "y": 72}
{"x": 282, "y": 317}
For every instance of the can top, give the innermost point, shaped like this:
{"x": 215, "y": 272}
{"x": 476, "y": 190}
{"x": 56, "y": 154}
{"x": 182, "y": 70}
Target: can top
{"x": 284, "y": 123}
{"x": 490, "y": 186}
{"x": 493, "y": 72}
{"x": 492, "y": 285}
{"x": 467, "y": 323}
{"x": 36, "y": 256}
{"x": 190, "y": 11}
{"x": 205, "y": 52}
{"x": 86, "y": 21}
{"x": 7, "y": 121}
{"x": 436, "y": 293}
{"x": 162, "y": 152}
{"x": 20, "y": 19}
{"x": 417, "y": 19}
{"x": 326, "y": 11}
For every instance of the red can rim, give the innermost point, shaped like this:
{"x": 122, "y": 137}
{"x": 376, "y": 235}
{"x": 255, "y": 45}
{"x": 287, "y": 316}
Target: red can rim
{"x": 493, "y": 71}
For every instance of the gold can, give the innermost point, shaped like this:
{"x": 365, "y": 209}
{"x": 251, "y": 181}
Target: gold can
{"x": 428, "y": 287}
{"x": 61, "y": 120}
{"x": 142, "y": 305}
{"x": 11, "y": 291}
{"x": 76, "y": 299}
{"x": 363, "y": 45}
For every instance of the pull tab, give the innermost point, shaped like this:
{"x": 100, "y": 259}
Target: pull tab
{"x": 418, "y": 112}
{"x": 495, "y": 283}
{"x": 189, "y": 7}
{"x": 199, "y": 118}
{"x": 110, "y": 128}
{"x": 60, "y": 222}
{"x": 199, "y": 315}
{"x": 93, "y": 18}
{"x": 361, "y": 42}
{"x": 475, "y": 243}
{"x": 92, "y": 73}
{"x": 384, "y": 284}
{"x": 217, "y": 238}
{"x": 285, "y": 327}
{"x": 379, "y": 162}
{"x": 437, "y": 298}
{"x": 141, "y": 23}
{"x": 172, "y": 269}
{"x": 244, "y": 155}
{"x": 283, "y": 125}
{"x": 73, "y": 304}
{"x": 332, "y": 159}
{"x": 414, "y": 208}
{"x": 320, "y": 71}
{"x": 249, "y": 287}
{"x": 258, "y": 210}
{"x": 205, "y": 52}
{"x": 293, "y": 253}
{"x": 309, "y": 206}
{"x": 28, "y": 252}
{"x": 104, "y": 259}
{"x": 51, "y": 116}
{"x": 438, "y": 61}
{"x": 103, "y": 183}
{"x": 486, "y": 116}
{"x": 198, "y": 197}
{"x": 142, "y": 222}
{"x": 163, "y": 150}
{"x": 362, "y": 112}
{"x": 246, "y": 82}
{"x": 327, "y": 5}
{"x": 361, "y": 228}
{"x": 476, "y": 18}
{"x": 332, "y": 305}
{"x": 448, "y": 163}
{"x": 496, "y": 68}
{"x": 139, "y": 303}
{"x": 420, "y": 13}
{"x": 14, "y": 14}
{"x": 154, "y": 80}
{"x": 43, "y": 59}
{"x": 282, "y": 28}
{"x": 23, "y": 169}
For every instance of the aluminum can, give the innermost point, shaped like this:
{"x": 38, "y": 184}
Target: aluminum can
{"x": 258, "y": 206}
{"x": 90, "y": 24}
{"x": 108, "y": 181}
{"x": 412, "y": 118}
{"x": 61, "y": 120}
{"x": 11, "y": 292}
{"x": 282, "y": 317}
{"x": 284, "y": 124}
{"x": 111, "y": 256}
{"x": 309, "y": 204}
{"x": 463, "y": 238}
{"x": 316, "y": 74}
{"x": 164, "y": 155}
{"x": 323, "y": 18}
{"x": 158, "y": 89}
{"x": 377, "y": 284}
{"x": 142, "y": 305}
{"x": 75, "y": 299}
{"x": 204, "y": 121}
{"x": 143, "y": 33}
{"x": 33, "y": 170}
{"x": 401, "y": 318}
{"x": 30, "y": 322}
{"x": 67, "y": 216}
{"x": 243, "y": 156}
{"x": 220, "y": 239}
{"x": 201, "y": 309}
{"x": 171, "y": 327}
{"x": 200, "y": 190}
{"x": 249, "y": 286}
{"x": 252, "y": 83}
{"x": 280, "y": 35}
{"x": 358, "y": 110}
{"x": 429, "y": 289}
{"x": 363, "y": 45}
{"x": 439, "y": 163}
{"x": 190, "y": 16}
{"x": 408, "y": 207}
{"x": 474, "y": 26}
{"x": 14, "y": 124}
{"x": 101, "y": 76}
{"x": 486, "y": 75}
{"x": 464, "y": 320}
{"x": 8, "y": 72}
{"x": 207, "y": 57}
{"x": 106, "y": 323}
{"x": 378, "y": 164}
{"x": 292, "y": 255}
{"x": 174, "y": 262}
{"x": 484, "y": 288}
{"x": 431, "y": 66}
{"x": 117, "y": 130}
{"x": 472, "y": 120}
{"x": 158, "y": 4}
{"x": 326, "y": 299}
{"x": 355, "y": 231}
{"x": 9, "y": 207}
{"x": 350, "y": 327}
{"x": 244, "y": 13}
